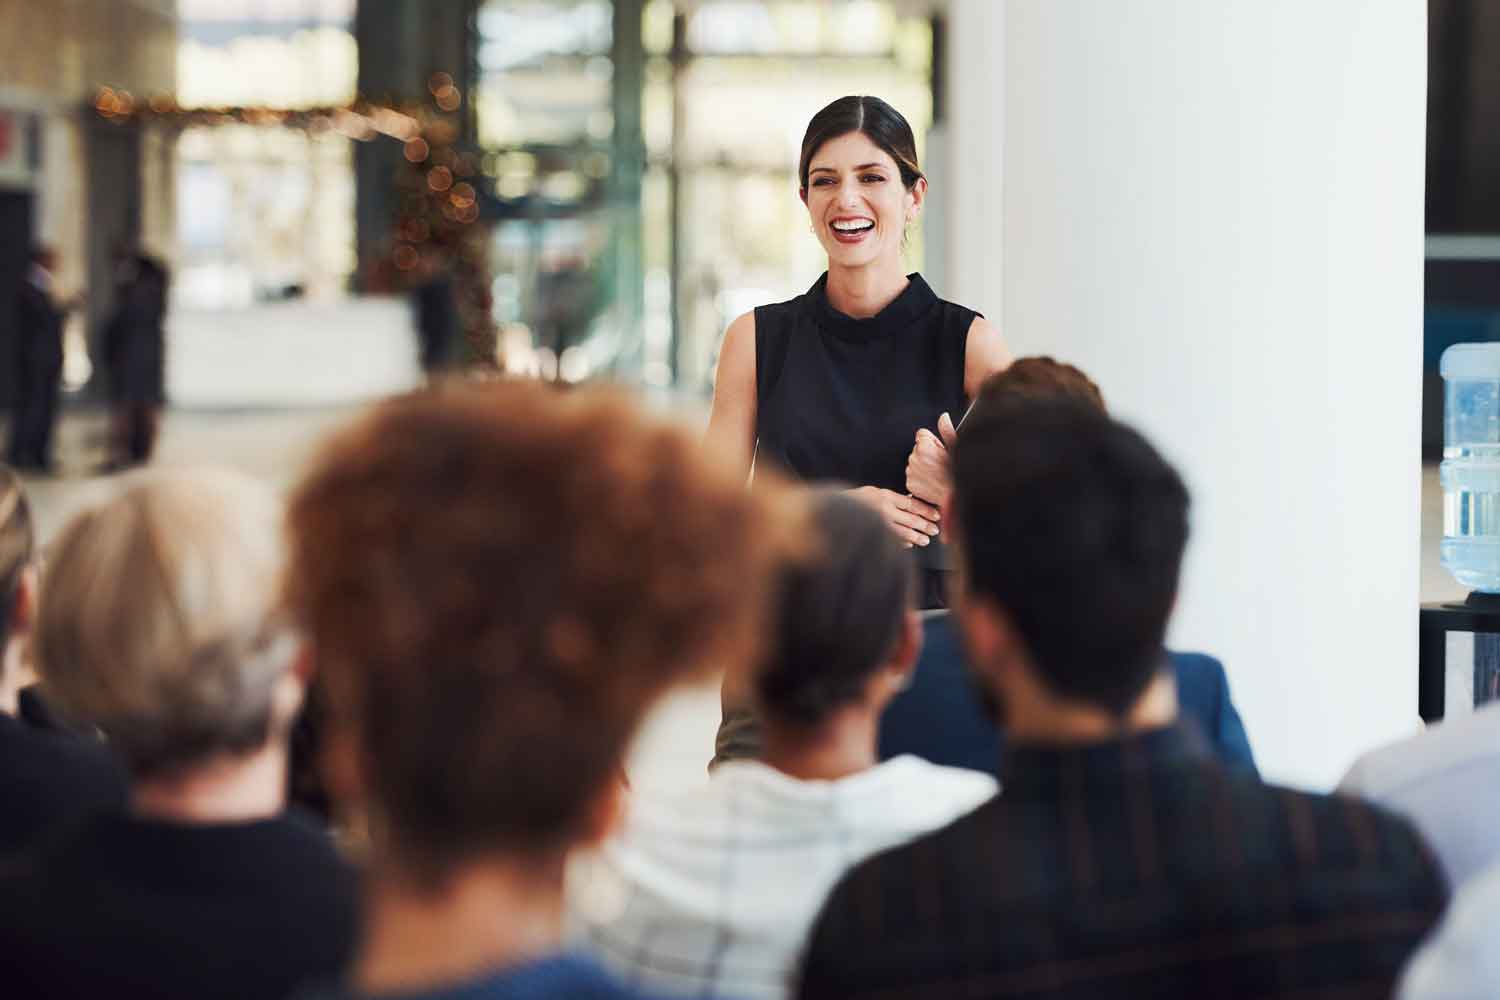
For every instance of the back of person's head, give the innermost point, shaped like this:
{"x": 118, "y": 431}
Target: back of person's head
{"x": 841, "y": 615}
{"x": 497, "y": 581}
{"x": 1039, "y": 377}
{"x": 17, "y": 546}
{"x": 158, "y": 619}
{"x": 1073, "y": 527}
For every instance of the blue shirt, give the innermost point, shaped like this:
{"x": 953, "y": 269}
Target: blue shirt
{"x": 941, "y": 715}
{"x": 563, "y": 977}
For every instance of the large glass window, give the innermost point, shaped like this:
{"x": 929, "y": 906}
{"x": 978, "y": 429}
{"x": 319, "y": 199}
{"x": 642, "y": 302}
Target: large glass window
{"x": 752, "y": 77}
{"x": 727, "y": 88}
{"x": 264, "y": 211}
{"x": 545, "y": 94}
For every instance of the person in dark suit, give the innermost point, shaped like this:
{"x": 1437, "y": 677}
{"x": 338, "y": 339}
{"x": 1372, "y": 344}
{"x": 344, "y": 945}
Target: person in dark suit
{"x": 941, "y": 718}
{"x": 435, "y": 309}
{"x": 938, "y": 718}
{"x": 135, "y": 355}
{"x": 38, "y": 361}
{"x": 1120, "y": 859}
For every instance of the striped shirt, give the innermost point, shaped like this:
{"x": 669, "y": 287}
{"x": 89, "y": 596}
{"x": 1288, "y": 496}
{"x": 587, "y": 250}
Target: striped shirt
{"x": 711, "y": 893}
{"x": 1138, "y": 868}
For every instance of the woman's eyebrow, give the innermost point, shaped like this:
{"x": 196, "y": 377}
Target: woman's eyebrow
{"x": 862, "y": 166}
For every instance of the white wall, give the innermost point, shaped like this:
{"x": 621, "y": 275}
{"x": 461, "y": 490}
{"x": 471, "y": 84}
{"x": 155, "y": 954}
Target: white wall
{"x": 1216, "y": 208}
{"x": 972, "y": 153}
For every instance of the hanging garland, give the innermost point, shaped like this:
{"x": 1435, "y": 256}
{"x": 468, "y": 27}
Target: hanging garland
{"x": 437, "y": 186}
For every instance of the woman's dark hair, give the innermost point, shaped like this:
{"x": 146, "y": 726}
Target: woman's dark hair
{"x": 876, "y": 120}
{"x": 840, "y": 614}
{"x": 1069, "y": 517}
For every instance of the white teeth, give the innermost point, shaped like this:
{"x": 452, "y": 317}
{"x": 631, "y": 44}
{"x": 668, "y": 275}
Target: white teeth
{"x": 853, "y": 227}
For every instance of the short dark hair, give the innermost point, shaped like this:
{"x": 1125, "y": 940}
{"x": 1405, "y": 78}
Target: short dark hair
{"x": 17, "y": 545}
{"x": 497, "y": 580}
{"x": 840, "y": 614}
{"x": 1041, "y": 377}
{"x": 1075, "y": 526}
{"x": 876, "y": 120}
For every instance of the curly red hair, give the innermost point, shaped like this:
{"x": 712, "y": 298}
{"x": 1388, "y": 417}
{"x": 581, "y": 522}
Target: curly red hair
{"x": 498, "y": 580}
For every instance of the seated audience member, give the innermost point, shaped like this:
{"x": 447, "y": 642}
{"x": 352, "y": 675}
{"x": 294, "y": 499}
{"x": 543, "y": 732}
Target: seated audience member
{"x": 158, "y": 624}
{"x": 47, "y": 778}
{"x": 1460, "y": 961}
{"x": 497, "y": 582}
{"x": 712, "y": 892}
{"x": 938, "y": 717}
{"x": 1121, "y": 859}
{"x": 1443, "y": 781}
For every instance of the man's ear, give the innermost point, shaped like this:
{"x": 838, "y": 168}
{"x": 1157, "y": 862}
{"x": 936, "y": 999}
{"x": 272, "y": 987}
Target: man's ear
{"x": 607, "y": 814}
{"x": 304, "y": 667}
{"x": 23, "y": 608}
{"x": 989, "y": 635}
{"x": 903, "y": 658}
{"x": 341, "y": 763}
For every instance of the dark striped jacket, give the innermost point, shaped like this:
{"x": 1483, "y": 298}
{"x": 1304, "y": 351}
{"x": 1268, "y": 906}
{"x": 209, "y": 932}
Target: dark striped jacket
{"x": 1133, "y": 869}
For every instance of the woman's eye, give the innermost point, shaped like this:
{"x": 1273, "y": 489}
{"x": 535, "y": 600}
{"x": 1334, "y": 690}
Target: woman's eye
{"x": 872, "y": 178}
{"x": 822, "y": 182}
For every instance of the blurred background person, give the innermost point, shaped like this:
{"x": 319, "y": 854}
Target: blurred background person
{"x": 37, "y": 361}
{"x": 439, "y": 332}
{"x": 711, "y": 892}
{"x": 47, "y": 778}
{"x": 483, "y": 727}
{"x": 135, "y": 359}
{"x": 159, "y": 624}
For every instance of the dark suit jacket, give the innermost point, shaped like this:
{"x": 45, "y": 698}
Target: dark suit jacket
{"x": 48, "y": 779}
{"x": 134, "y": 339}
{"x": 39, "y": 327}
{"x": 939, "y": 717}
{"x": 1139, "y": 868}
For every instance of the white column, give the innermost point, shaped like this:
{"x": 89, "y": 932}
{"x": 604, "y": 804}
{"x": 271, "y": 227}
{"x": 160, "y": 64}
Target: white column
{"x": 972, "y": 153}
{"x": 1215, "y": 207}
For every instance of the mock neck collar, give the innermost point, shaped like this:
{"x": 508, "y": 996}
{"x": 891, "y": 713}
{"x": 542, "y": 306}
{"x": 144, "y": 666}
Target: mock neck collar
{"x": 905, "y": 309}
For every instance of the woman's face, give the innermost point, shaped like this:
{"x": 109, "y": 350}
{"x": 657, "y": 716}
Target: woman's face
{"x": 858, "y": 205}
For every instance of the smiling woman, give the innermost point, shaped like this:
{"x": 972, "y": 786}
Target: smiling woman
{"x": 834, "y": 385}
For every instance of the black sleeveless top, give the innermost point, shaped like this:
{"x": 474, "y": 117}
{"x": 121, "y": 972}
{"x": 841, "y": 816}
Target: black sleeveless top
{"x": 840, "y": 399}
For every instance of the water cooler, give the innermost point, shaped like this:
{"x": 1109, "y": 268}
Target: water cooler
{"x": 1459, "y": 644}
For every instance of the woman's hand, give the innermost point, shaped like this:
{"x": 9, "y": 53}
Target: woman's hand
{"x": 914, "y": 521}
{"x": 928, "y": 474}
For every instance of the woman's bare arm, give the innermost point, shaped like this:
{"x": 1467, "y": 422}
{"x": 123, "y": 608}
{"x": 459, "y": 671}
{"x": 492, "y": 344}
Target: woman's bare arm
{"x": 731, "y": 422}
{"x": 984, "y": 355}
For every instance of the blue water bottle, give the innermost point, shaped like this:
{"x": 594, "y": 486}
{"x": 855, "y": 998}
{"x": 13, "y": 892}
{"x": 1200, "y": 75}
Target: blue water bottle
{"x": 1470, "y": 472}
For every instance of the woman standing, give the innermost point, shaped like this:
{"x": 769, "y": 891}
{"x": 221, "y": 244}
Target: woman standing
{"x": 135, "y": 353}
{"x": 834, "y": 384}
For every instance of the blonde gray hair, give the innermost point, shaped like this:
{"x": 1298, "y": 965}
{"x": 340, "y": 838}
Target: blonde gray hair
{"x": 158, "y": 617}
